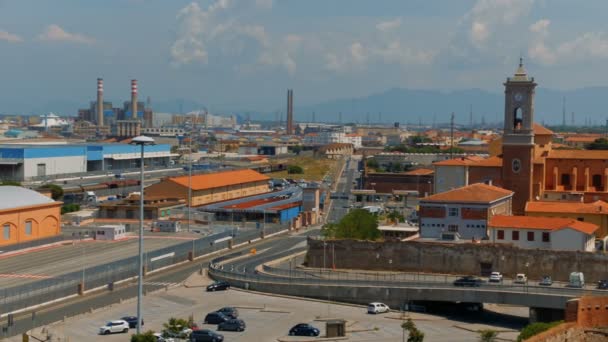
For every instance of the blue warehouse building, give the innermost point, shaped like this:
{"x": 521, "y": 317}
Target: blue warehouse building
{"x": 27, "y": 162}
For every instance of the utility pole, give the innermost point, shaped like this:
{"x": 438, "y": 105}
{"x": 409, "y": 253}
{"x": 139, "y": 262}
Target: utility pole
{"x": 471, "y": 116}
{"x": 564, "y": 111}
{"x": 452, "y": 135}
{"x": 340, "y": 117}
{"x": 572, "y": 119}
{"x": 313, "y": 117}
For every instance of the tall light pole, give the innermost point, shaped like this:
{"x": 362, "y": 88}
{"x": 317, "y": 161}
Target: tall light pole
{"x": 189, "y": 180}
{"x": 141, "y": 141}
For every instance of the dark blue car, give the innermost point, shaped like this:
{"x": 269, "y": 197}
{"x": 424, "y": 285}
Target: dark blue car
{"x": 132, "y": 320}
{"x": 304, "y": 329}
{"x": 215, "y": 318}
{"x": 205, "y": 335}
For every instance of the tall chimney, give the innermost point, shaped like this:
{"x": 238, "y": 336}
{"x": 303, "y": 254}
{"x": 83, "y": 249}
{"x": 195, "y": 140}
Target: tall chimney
{"x": 134, "y": 99}
{"x": 289, "y": 111}
{"x": 99, "y": 102}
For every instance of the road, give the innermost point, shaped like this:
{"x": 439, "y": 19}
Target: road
{"x": 341, "y": 197}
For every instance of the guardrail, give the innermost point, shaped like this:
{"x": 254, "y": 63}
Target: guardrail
{"x": 27, "y": 295}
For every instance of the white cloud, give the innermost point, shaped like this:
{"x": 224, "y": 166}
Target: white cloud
{"x": 10, "y": 37}
{"x": 266, "y": 4}
{"x": 479, "y": 33}
{"x": 390, "y": 25}
{"x": 57, "y": 34}
{"x": 585, "y": 47}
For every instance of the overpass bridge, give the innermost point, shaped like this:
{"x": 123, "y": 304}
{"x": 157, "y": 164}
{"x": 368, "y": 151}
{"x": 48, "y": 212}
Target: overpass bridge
{"x": 396, "y": 290}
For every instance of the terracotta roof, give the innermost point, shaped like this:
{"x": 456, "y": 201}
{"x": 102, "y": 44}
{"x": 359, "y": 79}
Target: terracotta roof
{"x": 542, "y": 223}
{"x": 220, "y": 179}
{"x": 583, "y": 139}
{"x": 420, "y": 172}
{"x": 541, "y": 130}
{"x": 474, "y": 193}
{"x": 597, "y": 207}
{"x": 462, "y": 161}
{"x": 488, "y": 162}
{"x": 285, "y": 206}
{"x": 578, "y": 154}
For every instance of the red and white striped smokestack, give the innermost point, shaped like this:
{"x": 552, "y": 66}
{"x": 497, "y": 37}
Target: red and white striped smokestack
{"x": 100, "y": 102}
{"x": 134, "y": 99}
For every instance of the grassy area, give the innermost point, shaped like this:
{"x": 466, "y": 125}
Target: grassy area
{"x": 314, "y": 169}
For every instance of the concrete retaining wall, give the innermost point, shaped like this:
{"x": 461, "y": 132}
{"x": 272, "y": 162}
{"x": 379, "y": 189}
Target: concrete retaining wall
{"x": 461, "y": 258}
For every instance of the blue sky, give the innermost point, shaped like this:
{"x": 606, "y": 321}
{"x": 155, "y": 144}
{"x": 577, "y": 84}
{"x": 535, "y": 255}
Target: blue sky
{"x": 245, "y": 53}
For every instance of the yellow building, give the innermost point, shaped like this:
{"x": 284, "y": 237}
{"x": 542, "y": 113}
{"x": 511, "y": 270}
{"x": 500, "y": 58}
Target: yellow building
{"x": 27, "y": 215}
{"x": 596, "y": 212}
{"x": 212, "y": 187}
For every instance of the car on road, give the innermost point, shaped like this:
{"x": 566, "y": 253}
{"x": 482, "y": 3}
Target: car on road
{"x": 520, "y": 278}
{"x": 546, "y": 281}
{"x": 205, "y": 335}
{"x": 132, "y": 320}
{"x": 495, "y": 277}
{"x": 376, "y": 308}
{"x": 232, "y": 325}
{"x": 229, "y": 311}
{"x": 304, "y": 329}
{"x": 159, "y": 338}
{"x": 215, "y": 318}
{"x": 602, "y": 284}
{"x": 218, "y": 286}
{"x": 470, "y": 281}
{"x": 118, "y": 326}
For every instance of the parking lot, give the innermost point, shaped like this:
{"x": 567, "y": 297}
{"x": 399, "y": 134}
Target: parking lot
{"x": 268, "y": 318}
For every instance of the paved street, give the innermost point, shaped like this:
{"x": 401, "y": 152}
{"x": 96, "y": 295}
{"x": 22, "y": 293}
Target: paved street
{"x": 270, "y": 317}
{"x": 340, "y": 201}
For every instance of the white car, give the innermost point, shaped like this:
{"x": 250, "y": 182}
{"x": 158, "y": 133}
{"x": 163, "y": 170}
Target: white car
{"x": 376, "y": 308}
{"x": 495, "y": 277}
{"x": 520, "y": 278}
{"x": 159, "y": 338}
{"x": 118, "y": 326}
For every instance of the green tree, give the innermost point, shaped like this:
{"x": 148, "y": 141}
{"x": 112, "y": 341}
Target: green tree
{"x": 148, "y": 336}
{"x": 414, "y": 335}
{"x": 68, "y": 208}
{"x": 535, "y": 329}
{"x": 295, "y": 169}
{"x": 296, "y": 149}
{"x": 175, "y": 325}
{"x": 487, "y": 335}
{"x": 56, "y": 191}
{"x": 598, "y": 144}
{"x": 372, "y": 163}
{"x": 419, "y": 139}
{"x": 454, "y": 149}
{"x": 358, "y": 224}
{"x": 7, "y": 182}
{"x": 395, "y": 217}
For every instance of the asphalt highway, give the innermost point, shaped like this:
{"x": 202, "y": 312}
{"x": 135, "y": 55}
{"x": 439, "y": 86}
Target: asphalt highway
{"x": 341, "y": 197}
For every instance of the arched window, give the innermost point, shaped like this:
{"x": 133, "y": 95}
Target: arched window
{"x": 597, "y": 181}
{"x": 518, "y": 119}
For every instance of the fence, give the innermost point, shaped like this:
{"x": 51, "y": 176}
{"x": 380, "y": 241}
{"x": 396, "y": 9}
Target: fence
{"x": 33, "y": 243}
{"x": 23, "y": 296}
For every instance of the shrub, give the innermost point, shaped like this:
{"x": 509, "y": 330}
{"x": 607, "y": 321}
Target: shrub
{"x": 68, "y": 208}
{"x": 535, "y": 329}
{"x": 148, "y": 336}
{"x": 7, "y": 182}
{"x": 295, "y": 169}
{"x": 487, "y": 335}
{"x": 56, "y": 190}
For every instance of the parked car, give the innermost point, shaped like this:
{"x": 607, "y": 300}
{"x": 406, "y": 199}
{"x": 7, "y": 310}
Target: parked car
{"x": 118, "y": 326}
{"x": 468, "y": 281}
{"x": 215, "y": 318}
{"x": 520, "y": 278}
{"x": 577, "y": 279}
{"x": 132, "y": 320}
{"x": 495, "y": 277}
{"x": 304, "y": 329}
{"x": 205, "y": 335}
{"x": 546, "y": 281}
{"x": 376, "y": 308}
{"x": 232, "y": 325}
{"x": 229, "y": 311}
{"x": 218, "y": 286}
{"x": 159, "y": 338}
{"x": 184, "y": 333}
{"x": 602, "y": 284}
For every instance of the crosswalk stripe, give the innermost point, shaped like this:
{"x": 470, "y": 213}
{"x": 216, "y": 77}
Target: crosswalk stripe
{"x": 161, "y": 284}
{"x": 30, "y": 276}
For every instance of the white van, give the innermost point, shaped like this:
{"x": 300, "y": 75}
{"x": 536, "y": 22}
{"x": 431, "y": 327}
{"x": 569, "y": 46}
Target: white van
{"x": 577, "y": 279}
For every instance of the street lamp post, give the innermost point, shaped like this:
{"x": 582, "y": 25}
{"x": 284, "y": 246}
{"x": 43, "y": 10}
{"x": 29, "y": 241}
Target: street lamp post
{"x": 141, "y": 141}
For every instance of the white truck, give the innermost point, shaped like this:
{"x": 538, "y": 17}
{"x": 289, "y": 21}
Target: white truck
{"x": 577, "y": 279}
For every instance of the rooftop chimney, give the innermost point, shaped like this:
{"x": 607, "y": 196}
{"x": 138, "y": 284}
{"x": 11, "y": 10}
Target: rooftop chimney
{"x": 289, "y": 111}
{"x": 134, "y": 99}
{"x": 100, "y": 102}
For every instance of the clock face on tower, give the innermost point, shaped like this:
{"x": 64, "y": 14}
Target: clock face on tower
{"x": 518, "y": 97}
{"x": 516, "y": 165}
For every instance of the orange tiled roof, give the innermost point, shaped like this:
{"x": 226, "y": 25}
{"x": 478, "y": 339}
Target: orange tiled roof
{"x": 583, "y": 139}
{"x": 474, "y": 193}
{"x": 420, "y": 172}
{"x": 220, "y": 179}
{"x": 489, "y": 162}
{"x": 578, "y": 154}
{"x": 541, "y": 130}
{"x": 597, "y": 207}
{"x": 468, "y": 160}
{"x": 542, "y": 223}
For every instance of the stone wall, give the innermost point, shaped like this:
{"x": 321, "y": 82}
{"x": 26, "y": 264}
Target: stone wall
{"x": 459, "y": 258}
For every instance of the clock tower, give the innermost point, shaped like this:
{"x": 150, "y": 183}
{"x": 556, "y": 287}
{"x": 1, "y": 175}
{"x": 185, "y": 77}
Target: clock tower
{"x": 518, "y": 138}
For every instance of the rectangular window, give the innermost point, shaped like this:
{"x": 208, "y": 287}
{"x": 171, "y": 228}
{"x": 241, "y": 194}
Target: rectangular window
{"x": 453, "y": 212}
{"x": 546, "y": 237}
{"x": 28, "y": 227}
{"x": 515, "y": 235}
{"x": 501, "y": 235}
{"x": 582, "y": 219}
{"x": 565, "y": 179}
{"x": 7, "y": 231}
{"x": 530, "y": 236}
{"x": 453, "y": 228}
